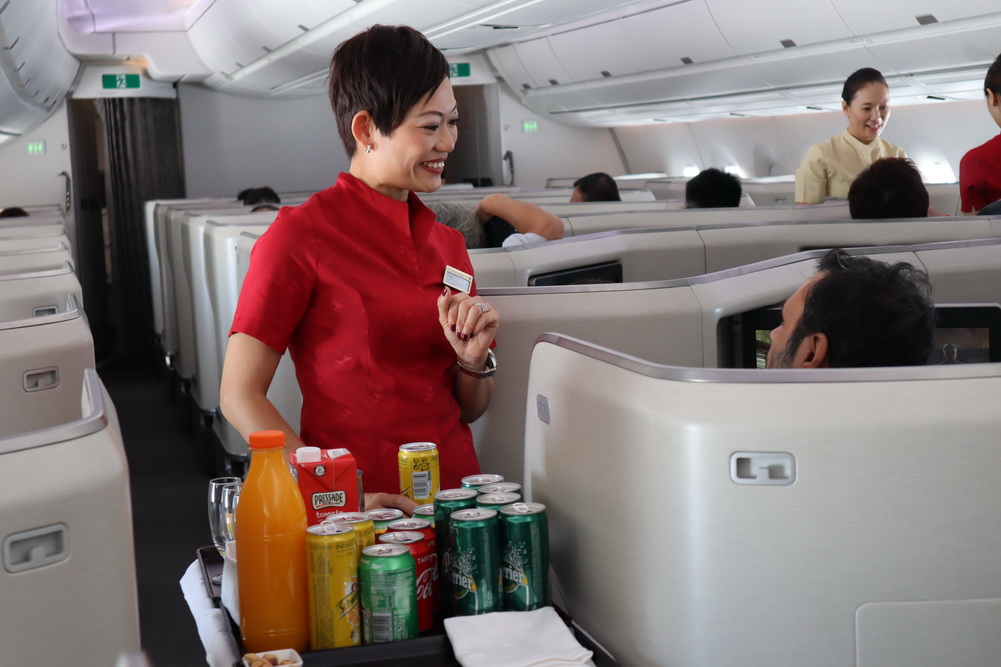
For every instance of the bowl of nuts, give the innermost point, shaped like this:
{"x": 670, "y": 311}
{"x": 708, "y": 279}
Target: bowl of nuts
{"x": 285, "y": 656}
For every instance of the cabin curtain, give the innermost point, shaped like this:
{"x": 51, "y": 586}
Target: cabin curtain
{"x": 144, "y": 161}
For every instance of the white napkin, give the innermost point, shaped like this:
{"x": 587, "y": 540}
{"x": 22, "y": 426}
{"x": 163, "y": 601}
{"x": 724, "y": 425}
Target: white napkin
{"x": 213, "y": 626}
{"x": 537, "y": 638}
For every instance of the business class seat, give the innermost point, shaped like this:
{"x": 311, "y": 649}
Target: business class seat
{"x": 68, "y": 583}
{"x": 772, "y": 518}
{"x": 26, "y": 295}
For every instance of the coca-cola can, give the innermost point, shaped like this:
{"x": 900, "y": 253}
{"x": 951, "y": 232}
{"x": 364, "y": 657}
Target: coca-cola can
{"x": 427, "y": 581}
{"x": 417, "y": 525}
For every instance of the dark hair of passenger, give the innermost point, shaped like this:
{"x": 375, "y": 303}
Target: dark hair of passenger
{"x": 873, "y": 313}
{"x": 598, "y": 186}
{"x": 993, "y": 79}
{"x": 859, "y": 79}
{"x": 262, "y": 195}
{"x": 890, "y": 187}
{"x": 13, "y": 212}
{"x": 712, "y": 188}
{"x": 384, "y": 70}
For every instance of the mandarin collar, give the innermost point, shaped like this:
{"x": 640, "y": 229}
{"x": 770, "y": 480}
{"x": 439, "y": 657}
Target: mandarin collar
{"x": 418, "y": 217}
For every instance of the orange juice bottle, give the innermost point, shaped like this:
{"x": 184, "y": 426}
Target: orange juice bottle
{"x": 271, "y": 551}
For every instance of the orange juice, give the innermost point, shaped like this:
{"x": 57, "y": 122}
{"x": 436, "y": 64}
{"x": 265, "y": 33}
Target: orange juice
{"x": 271, "y": 543}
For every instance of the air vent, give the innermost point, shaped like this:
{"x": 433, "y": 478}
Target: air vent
{"x": 554, "y": 82}
{"x": 738, "y": 115}
{"x": 787, "y": 43}
{"x": 266, "y": 49}
{"x": 605, "y": 73}
{"x": 500, "y": 26}
{"x": 926, "y": 19}
{"x": 525, "y": 86}
{"x": 936, "y": 97}
{"x": 303, "y": 28}
{"x": 814, "y": 108}
{"x": 659, "y": 120}
{"x": 687, "y": 60}
{"x": 11, "y": 47}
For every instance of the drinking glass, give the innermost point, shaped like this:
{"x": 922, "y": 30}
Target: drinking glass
{"x": 215, "y": 506}
{"x": 227, "y": 514}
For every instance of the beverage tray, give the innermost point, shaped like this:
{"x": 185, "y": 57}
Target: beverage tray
{"x": 431, "y": 650}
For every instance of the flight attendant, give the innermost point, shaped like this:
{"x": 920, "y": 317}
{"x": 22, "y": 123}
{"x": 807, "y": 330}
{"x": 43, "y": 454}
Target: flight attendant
{"x": 830, "y": 166}
{"x": 980, "y": 168}
{"x": 386, "y": 350}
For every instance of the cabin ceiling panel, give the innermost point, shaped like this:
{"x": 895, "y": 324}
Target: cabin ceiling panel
{"x": 755, "y": 27}
{"x": 506, "y": 61}
{"x": 551, "y": 12}
{"x": 865, "y": 17}
{"x": 674, "y": 36}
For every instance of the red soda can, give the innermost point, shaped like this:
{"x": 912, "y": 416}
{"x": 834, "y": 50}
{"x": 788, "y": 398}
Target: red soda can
{"x": 422, "y": 526}
{"x": 427, "y": 567}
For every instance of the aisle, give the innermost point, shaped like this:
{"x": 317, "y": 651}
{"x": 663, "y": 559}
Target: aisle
{"x": 169, "y": 511}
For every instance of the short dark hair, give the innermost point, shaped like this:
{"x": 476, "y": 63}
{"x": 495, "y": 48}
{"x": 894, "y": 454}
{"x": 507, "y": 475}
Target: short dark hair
{"x": 993, "y": 79}
{"x": 873, "y": 313}
{"x": 859, "y": 79}
{"x": 713, "y": 188}
{"x": 384, "y": 70}
{"x": 13, "y": 212}
{"x": 261, "y": 195}
{"x": 890, "y": 187}
{"x": 598, "y": 186}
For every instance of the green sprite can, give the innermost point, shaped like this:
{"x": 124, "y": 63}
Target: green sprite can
{"x": 387, "y": 575}
{"x": 476, "y": 481}
{"x": 446, "y": 502}
{"x": 500, "y": 487}
{"x": 425, "y": 512}
{"x": 495, "y": 501}
{"x": 524, "y": 542}
{"x": 474, "y": 570}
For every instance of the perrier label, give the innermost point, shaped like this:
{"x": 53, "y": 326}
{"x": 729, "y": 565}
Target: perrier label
{"x": 474, "y": 567}
{"x": 524, "y": 535}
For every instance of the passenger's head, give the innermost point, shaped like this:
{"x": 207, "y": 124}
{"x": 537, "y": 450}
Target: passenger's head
{"x": 13, "y": 212}
{"x": 261, "y": 195}
{"x": 890, "y": 187}
{"x": 949, "y": 353}
{"x": 865, "y": 100}
{"x": 712, "y": 188}
{"x": 395, "y": 110}
{"x": 461, "y": 217}
{"x": 598, "y": 186}
{"x": 992, "y": 90}
{"x": 856, "y": 312}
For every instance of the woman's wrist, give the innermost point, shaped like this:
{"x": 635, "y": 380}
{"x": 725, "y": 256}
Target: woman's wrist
{"x": 481, "y": 368}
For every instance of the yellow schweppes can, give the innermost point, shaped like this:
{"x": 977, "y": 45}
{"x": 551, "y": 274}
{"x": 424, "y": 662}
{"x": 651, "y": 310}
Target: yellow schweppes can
{"x": 419, "y": 477}
{"x": 332, "y": 566}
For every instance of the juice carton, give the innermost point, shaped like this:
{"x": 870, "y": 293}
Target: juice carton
{"x": 328, "y": 481}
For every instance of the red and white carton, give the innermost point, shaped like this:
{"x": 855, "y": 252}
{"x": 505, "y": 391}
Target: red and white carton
{"x": 328, "y": 481}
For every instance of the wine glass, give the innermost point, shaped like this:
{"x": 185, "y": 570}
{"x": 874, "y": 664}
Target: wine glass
{"x": 227, "y": 512}
{"x": 215, "y": 504}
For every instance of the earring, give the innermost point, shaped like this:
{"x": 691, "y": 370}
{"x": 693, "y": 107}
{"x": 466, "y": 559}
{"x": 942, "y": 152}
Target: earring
{"x": 368, "y": 148}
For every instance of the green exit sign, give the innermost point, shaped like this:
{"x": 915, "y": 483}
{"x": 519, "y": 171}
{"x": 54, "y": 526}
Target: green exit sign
{"x": 458, "y": 69}
{"x": 119, "y": 81}
{"x": 36, "y": 148}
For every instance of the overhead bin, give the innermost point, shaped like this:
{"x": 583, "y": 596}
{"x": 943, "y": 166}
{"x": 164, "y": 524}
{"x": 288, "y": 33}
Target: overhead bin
{"x": 669, "y": 36}
{"x": 969, "y": 43}
{"x": 750, "y": 27}
{"x": 864, "y": 17}
{"x": 546, "y": 68}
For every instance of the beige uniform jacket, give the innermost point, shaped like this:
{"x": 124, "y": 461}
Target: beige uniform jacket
{"x": 830, "y": 166}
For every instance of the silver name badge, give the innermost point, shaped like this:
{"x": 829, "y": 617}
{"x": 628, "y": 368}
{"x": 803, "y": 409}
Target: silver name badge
{"x": 458, "y": 280}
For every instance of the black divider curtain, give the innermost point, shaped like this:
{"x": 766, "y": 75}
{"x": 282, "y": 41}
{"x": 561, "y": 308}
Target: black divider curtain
{"x": 144, "y": 161}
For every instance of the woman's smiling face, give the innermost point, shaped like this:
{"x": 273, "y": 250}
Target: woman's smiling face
{"x": 868, "y": 112}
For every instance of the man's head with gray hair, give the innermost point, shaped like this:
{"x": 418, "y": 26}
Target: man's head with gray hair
{"x": 459, "y": 216}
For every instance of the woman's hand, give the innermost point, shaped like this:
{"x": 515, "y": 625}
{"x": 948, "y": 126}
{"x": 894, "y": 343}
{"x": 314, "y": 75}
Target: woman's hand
{"x": 392, "y": 501}
{"x": 469, "y": 324}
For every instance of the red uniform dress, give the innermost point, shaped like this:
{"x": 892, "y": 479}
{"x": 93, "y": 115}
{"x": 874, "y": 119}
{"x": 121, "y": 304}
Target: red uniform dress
{"x": 348, "y": 282}
{"x": 980, "y": 175}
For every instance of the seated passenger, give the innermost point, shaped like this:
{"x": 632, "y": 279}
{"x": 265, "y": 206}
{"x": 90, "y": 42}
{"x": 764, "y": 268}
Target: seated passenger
{"x": 980, "y": 168}
{"x": 889, "y": 188}
{"x": 13, "y": 212}
{"x": 830, "y": 166}
{"x": 598, "y": 186}
{"x": 261, "y": 197}
{"x": 525, "y": 222}
{"x": 856, "y": 312}
{"x": 713, "y": 188}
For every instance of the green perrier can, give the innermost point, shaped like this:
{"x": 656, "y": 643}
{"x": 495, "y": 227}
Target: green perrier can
{"x": 388, "y": 580}
{"x": 446, "y": 502}
{"x": 474, "y": 570}
{"x": 524, "y": 540}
